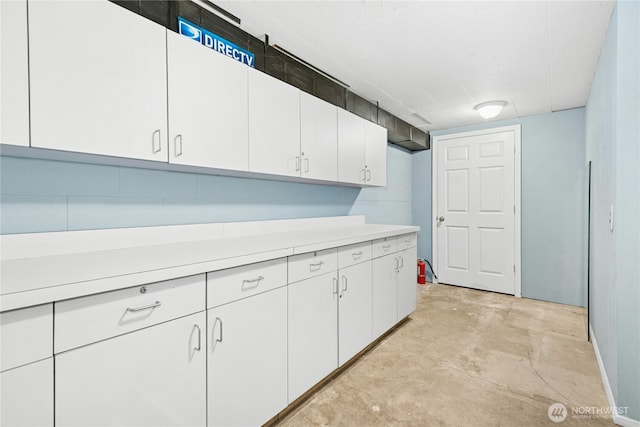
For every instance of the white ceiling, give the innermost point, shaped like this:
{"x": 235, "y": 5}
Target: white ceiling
{"x": 436, "y": 60}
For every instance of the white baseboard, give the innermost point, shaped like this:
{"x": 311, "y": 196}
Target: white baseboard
{"x": 617, "y": 419}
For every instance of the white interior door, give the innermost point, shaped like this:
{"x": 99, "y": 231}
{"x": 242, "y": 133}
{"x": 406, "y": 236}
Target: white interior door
{"x": 475, "y": 211}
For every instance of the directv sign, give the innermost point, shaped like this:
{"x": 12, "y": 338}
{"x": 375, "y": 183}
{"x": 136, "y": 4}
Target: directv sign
{"x": 215, "y": 42}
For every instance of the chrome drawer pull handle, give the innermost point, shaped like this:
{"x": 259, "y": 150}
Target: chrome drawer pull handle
{"x": 385, "y": 247}
{"x": 344, "y": 284}
{"x": 317, "y": 264}
{"x": 145, "y": 307}
{"x": 357, "y": 255}
{"x": 219, "y": 339}
{"x": 256, "y": 281}
{"x": 199, "y": 346}
{"x": 335, "y": 285}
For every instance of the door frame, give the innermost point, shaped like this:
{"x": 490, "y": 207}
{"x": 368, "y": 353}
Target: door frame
{"x": 516, "y": 129}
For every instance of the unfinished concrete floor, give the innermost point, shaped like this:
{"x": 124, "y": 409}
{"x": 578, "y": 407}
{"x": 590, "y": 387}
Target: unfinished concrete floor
{"x": 467, "y": 358}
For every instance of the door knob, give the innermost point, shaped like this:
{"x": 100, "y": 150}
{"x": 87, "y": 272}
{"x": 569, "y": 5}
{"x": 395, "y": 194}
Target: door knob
{"x": 441, "y": 219}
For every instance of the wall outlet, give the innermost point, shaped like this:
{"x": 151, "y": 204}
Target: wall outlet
{"x": 611, "y": 218}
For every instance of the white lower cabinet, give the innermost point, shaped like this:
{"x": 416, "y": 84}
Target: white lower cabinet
{"x": 151, "y": 377}
{"x": 407, "y": 282}
{"x": 354, "y": 310}
{"x": 385, "y": 313}
{"x": 247, "y": 359}
{"x": 312, "y": 332}
{"x": 26, "y": 395}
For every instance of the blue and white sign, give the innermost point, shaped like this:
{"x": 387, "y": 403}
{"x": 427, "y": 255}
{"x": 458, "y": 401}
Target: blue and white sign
{"x": 215, "y": 42}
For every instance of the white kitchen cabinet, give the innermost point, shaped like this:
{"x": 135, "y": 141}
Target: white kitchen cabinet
{"x": 385, "y": 313}
{"x": 312, "y": 332}
{"x": 351, "y": 148}
{"x": 208, "y": 114}
{"x": 318, "y": 138}
{"x": 354, "y": 310}
{"x": 274, "y": 125}
{"x": 375, "y": 154}
{"x": 362, "y": 151}
{"x": 407, "y": 278}
{"x": 151, "y": 377}
{"x": 14, "y": 76}
{"x": 26, "y": 395}
{"x": 98, "y": 80}
{"x": 247, "y": 359}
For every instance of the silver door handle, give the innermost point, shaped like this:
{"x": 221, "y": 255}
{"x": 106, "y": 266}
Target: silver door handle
{"x": 177, "y": 145}
{"x": 357, "y": 255}
{"x": 363, "y": 175}
{"x": 397, "y": 264}
{"x": 318, "y": 264}
{"x": 199, "y": 338}
{"x": 344, "y": 284}
{"x": 256, "y": 281}
{"x": 335, "y": 285}
{"x": 219, "y": 339}
{"x": 441, "y": 219}
{"x": 145, "y": 307}
{"x": 306, "y": 165}
{"x": 154, "y": 140}
{"x": 367, "y": 174}
{"x": 401, "y": 262}
{"x": 297, "y": 163}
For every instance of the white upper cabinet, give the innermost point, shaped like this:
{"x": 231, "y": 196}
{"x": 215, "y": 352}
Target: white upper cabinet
{"x": 318, "y": 138}
{"x": 14, "y": 116}
{"x": 274, "y": 126}
{"x": 208, "y": 106}
{"x": 98, "y": 80}
{"x": 375, "y": 154}
{"x": 351, "y": 148}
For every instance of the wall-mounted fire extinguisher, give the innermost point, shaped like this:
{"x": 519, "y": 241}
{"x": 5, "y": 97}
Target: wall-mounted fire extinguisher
{"x": 422, "y": 272}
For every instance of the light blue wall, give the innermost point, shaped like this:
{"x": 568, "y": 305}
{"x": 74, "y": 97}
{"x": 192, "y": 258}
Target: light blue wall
{"x": 43, "y": 195}
{"x": 613, "y": 145}
{"x": 552, "y": 204}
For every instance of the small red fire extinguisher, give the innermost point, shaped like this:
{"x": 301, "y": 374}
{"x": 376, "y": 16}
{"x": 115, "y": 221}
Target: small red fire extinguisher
{"x": 422, "y": 273}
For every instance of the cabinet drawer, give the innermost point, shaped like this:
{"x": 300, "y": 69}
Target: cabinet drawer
{"x": 93, "y": 318}
{"x": 232, "y": 284}
{"x": 312, "y": 264}
{"x": 407, "y": 241}
{"x": 381, "y": 247}
{"x": 26, "y": 335}
{"x": 354, "y": 254}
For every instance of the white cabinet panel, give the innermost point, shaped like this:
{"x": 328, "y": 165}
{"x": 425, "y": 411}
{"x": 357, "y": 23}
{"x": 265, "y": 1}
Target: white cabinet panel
{"x": 376, "y": 154}
{"x": 312, "y": 264}
{"x": 318, "y": 138}
{"x": 313, "y": 332}
{"x": 351, "y": 148}
{"x": 385, "y": 298}
{"x": 152, "y": 377}
{"x": 26, "y": 395}
{"x": 407, "y": 278}
{"x": 14, "y": 76}
{"x": 208, "y": 106}
{"x": 224, "y": 286}
{"x": 98, "y": 80}
{"x": 274, "y": 125}
{"x": 355, "y": 310}
{"x": 81, "y": 321}
{"x": 26, "y": 335}
{"x": 247, "y": 360}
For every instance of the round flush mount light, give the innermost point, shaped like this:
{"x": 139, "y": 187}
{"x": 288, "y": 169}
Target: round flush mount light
{"x": 489, "y": 110}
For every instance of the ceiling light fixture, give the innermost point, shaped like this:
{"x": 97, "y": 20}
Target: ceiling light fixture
{"x": 489, "y": 110}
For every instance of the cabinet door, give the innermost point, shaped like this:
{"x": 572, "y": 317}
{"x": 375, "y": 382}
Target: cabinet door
{"x": 26, "y": 395}
{"x": 376, "y": 154}
{"x": 274, "y": 125}
{"x": 384, "y": 294}
{"x": 152, "y": 377}
{"x": 318, "y": 138}
{"x": 354, "y": 310}
{"x": 98, "y": 80}
{"x": 208, "y": 106}
{"x": 247, "y": 360}
{"x": 351, "y": 146}
{"x": 14, "y": 107}
{"x": 407, "y": 279}
{"x": 313, "y": 332}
